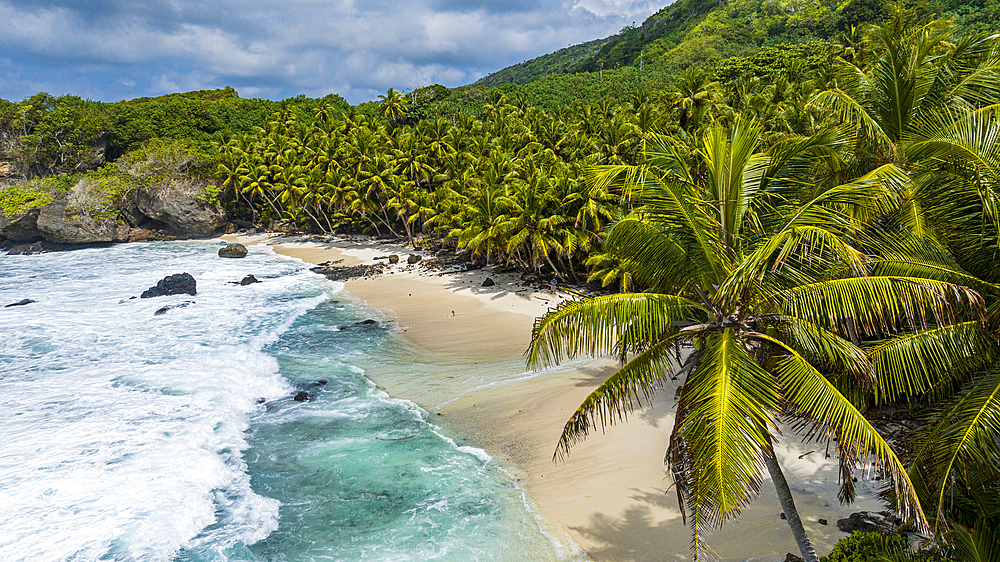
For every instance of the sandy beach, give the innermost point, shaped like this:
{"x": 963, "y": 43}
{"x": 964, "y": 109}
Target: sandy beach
{"x": 611, "y": 499}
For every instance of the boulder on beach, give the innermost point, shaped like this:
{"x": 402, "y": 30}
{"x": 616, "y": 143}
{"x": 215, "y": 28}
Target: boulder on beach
{"x": 394, "y": 258}
{"x": 21, "y": 302}
{"x": 413, "y": 258}
{"x": 869, "y": 522}
{"x": 233, "y": 251}
{"x": 489, "y": 282}
{"x": 177, "y": 284}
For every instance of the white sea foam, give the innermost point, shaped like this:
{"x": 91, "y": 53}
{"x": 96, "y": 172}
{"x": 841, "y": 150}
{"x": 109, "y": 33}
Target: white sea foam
{"x": 122, "y": 431}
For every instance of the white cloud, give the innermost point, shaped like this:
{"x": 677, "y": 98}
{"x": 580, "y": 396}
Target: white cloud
{"x": 357, "y": 49}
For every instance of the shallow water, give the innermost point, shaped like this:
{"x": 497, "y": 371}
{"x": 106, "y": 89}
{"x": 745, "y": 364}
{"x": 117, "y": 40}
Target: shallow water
{"x": 129, "y": 436}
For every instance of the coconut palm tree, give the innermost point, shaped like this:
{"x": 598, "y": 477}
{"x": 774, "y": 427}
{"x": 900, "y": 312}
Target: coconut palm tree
{"x": 784, "y": 313}
{"x": 392, "y": 105}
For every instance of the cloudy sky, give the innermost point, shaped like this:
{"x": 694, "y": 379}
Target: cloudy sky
{"x": 119, "y": 49}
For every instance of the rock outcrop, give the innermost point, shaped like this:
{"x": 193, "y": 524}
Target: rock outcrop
{"x": 233, "y": 251}
{"x": 177, "y": 284}
{"x": 249, "y": 280}
{"x": 21, "y": 228}
{"x": 57, "y": 223}
{"x": 183, "y": 215}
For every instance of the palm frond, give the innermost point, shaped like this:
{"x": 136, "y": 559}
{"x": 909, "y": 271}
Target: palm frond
{"x": 607, "y": 324}
{"x": 964, "y": 439}
{"x": 878, "y": 306}
{"x": 718, "y": 446}
{"x": 815, "y": 399}
{"x": 619, "y": 395}
{"x": 916, "y": 363}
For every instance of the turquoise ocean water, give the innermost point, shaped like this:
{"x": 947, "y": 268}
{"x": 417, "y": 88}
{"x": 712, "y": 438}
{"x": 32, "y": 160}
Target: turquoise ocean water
{"x": 127, "y": 436}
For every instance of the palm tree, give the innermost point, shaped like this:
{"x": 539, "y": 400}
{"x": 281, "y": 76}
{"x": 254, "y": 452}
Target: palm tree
{"x": 392, "y": 106}
{"x": 778, "y": 306}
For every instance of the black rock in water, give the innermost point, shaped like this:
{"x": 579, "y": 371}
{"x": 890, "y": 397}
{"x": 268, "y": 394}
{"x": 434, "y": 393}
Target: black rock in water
{"x": 489, "y": 282}
{"x": 20, "y": 303}
{"x": 249, "y": 280}
{"x": 177, "y": 284}
{"x": 366, "y": 323}
{"x": 164, "y": 309}
{"x": 302, "y": 396}
{"x": 233, "y": 251}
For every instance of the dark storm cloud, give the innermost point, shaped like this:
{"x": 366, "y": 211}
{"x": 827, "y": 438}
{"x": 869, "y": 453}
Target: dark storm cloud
{"x": 120, "y": 49}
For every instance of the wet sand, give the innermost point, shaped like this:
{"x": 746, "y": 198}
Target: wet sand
{"x": 611, "y": 499}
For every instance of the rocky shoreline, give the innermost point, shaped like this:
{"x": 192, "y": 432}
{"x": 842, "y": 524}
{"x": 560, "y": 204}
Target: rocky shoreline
{"x": 149, "y": 215}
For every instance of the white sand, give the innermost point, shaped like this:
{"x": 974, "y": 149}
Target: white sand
{"x": 611, "y": 499}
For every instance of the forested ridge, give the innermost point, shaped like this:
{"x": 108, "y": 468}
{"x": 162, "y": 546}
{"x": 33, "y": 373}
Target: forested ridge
{"x": 816, "y": 211}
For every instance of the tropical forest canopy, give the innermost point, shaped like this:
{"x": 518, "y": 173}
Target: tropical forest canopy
{"x": 804, "y": 192}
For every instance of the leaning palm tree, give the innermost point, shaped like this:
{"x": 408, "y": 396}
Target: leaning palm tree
{"x": 779, "y": 306}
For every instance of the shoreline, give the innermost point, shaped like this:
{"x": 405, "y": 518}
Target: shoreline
{"x": 611, "y": 499}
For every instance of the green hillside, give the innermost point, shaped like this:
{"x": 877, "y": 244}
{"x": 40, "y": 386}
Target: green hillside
{"x": 702, "y": 32}
{"x": 561, "y": 61}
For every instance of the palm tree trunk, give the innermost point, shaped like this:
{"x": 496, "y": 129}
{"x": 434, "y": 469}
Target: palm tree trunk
{"x": 788, "y": 505}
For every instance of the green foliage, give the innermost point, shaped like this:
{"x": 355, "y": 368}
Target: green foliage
{"x": 35, "y": 193}
{"x": 776, "y": 60}
{"x": 559, "y": 62}
{"x": 211, "y": 195}
{"x": 866, "y": 547}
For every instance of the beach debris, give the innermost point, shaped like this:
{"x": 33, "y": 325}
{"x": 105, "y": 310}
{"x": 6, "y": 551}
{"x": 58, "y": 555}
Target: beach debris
{"x": 249, "y": 280}
{"x": 413, "y": 258}
{"x": 489, "y": 282}
{"x": 233, "y": 251}
{"x": 163, "y": 310}
{"x": 176, "y": 284}
{"x": 21, "y": 302}
{"x": 869, "y": 522}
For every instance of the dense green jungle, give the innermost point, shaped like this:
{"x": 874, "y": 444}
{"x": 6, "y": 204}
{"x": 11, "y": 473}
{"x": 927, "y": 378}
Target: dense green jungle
{"x": 808, "y": 193}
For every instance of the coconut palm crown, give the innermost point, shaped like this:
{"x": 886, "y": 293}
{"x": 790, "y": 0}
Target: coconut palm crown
{"x": 788, "y": 316}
